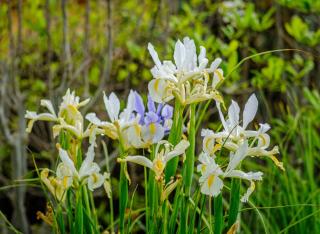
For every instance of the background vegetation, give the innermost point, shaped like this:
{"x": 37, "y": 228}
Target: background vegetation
{"x": 94, "y": 46}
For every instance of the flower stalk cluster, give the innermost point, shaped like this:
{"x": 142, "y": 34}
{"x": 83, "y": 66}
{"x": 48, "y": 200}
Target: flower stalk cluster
{"x": 161, "y": 133}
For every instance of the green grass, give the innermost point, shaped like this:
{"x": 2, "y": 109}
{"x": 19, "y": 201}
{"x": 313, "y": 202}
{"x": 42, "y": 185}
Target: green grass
{"x": 289, "y": 202}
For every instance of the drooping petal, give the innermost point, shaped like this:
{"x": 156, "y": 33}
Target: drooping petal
{"x": 207, "y": 164}
{"x": 152, "y": 133}
{"x": 141, "y": 160}
{"x": 250, "y": 110}
{"x": 33, "y": 117}
{"x": 211, "y": 185}
{"x": 92, "y": 118}
{"x": 66, "y": 160}
{"x": 245, "y": 175}
{"x": 95, "y": 180}
{"x": 264, "y": 128}
{"x": 65, "y": 173}
{"x": 157, "y": 90}
{"x": 85, "y": 169}
{"x": 263, "y": 141}
{"x": 208, "y": 145}
{"x": 237, "y": 157}
{"x": 250, "y": 190}
{"x": 179, "y": 149}
{"x": 206, "y": 132}
{"x": 134, "y": 136}
{"x": 48, "y": 104}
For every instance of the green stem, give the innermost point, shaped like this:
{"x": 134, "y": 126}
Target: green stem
{"x": 111, "y": 197}
{"x": 189, "y": 163}
{"x": 202, "y": 113}
{"x": 188, "y": 169}
{"x": 203, "y": 201}
{"x": 174, "y": 138}
{"x": 152, "y": 198}
{"x": 176, "y": 206}
{"x": 123, "y": 189}
{"x": 218, "y": 214}
{"x": 146, "y": 197}
{"x": 234, "y": 202}
{"x": 79, "y": 213}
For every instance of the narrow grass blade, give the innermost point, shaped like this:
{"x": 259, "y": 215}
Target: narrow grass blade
{"x": 79, "y": 215}
{"x": 123, "y": 191}
{"x": 174, "y": 137}
{"x": 234, "y": 202}
{"x": 189, "y": 163}
{"x": 218, "y": 214}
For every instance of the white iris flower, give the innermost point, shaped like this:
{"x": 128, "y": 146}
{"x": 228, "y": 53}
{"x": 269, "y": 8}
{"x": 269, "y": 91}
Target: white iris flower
{"x": 235, "y": 133}
{"x": 119, "y": 123}
{"x": 69, "y": 118}
{"x": 187, "y": 78}
{"x": 162, "y": 157}
{"x": 212, "y": 176}
{"x": 89, "y": 171}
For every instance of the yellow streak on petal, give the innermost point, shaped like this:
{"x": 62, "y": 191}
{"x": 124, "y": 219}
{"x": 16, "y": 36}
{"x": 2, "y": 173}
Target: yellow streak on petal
{"x": 216, "y": 147}
{"x": 156, "y": 85}
{"x": 65, "y": 181}
{"x": 94, "y": 178}
{"x": 207, "y": 141}
{"x": 152, "y": 128}
{"x": 158, "y": 166}
{"x": 72, "y": 109}
{"x": 137, "y": 130}
{"x": 210, "y": 180}
{"x": 203, "y": 168}
{"x": 220, "y": 76}
{"x": 264, "y": 141}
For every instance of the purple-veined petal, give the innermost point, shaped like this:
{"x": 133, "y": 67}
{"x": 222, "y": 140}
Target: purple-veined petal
{"x": 151, "y": 117}
{"x": 139, "y": 106}
{"x": 151, "y": 104}
{"x": 167, "y": 112}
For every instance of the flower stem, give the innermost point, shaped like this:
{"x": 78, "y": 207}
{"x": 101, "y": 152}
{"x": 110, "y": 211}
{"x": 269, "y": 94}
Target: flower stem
{"x": 123, "y": 191}
{"x": 188, "y": 169}
{"x": 189, "y": 163}
{"x": 218, "y": 214}
{"x": 174, "y": 138}
{"x": 234, "y": 202}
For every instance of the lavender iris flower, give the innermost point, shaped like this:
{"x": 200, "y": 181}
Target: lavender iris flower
{"x": 161, "y": 114}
